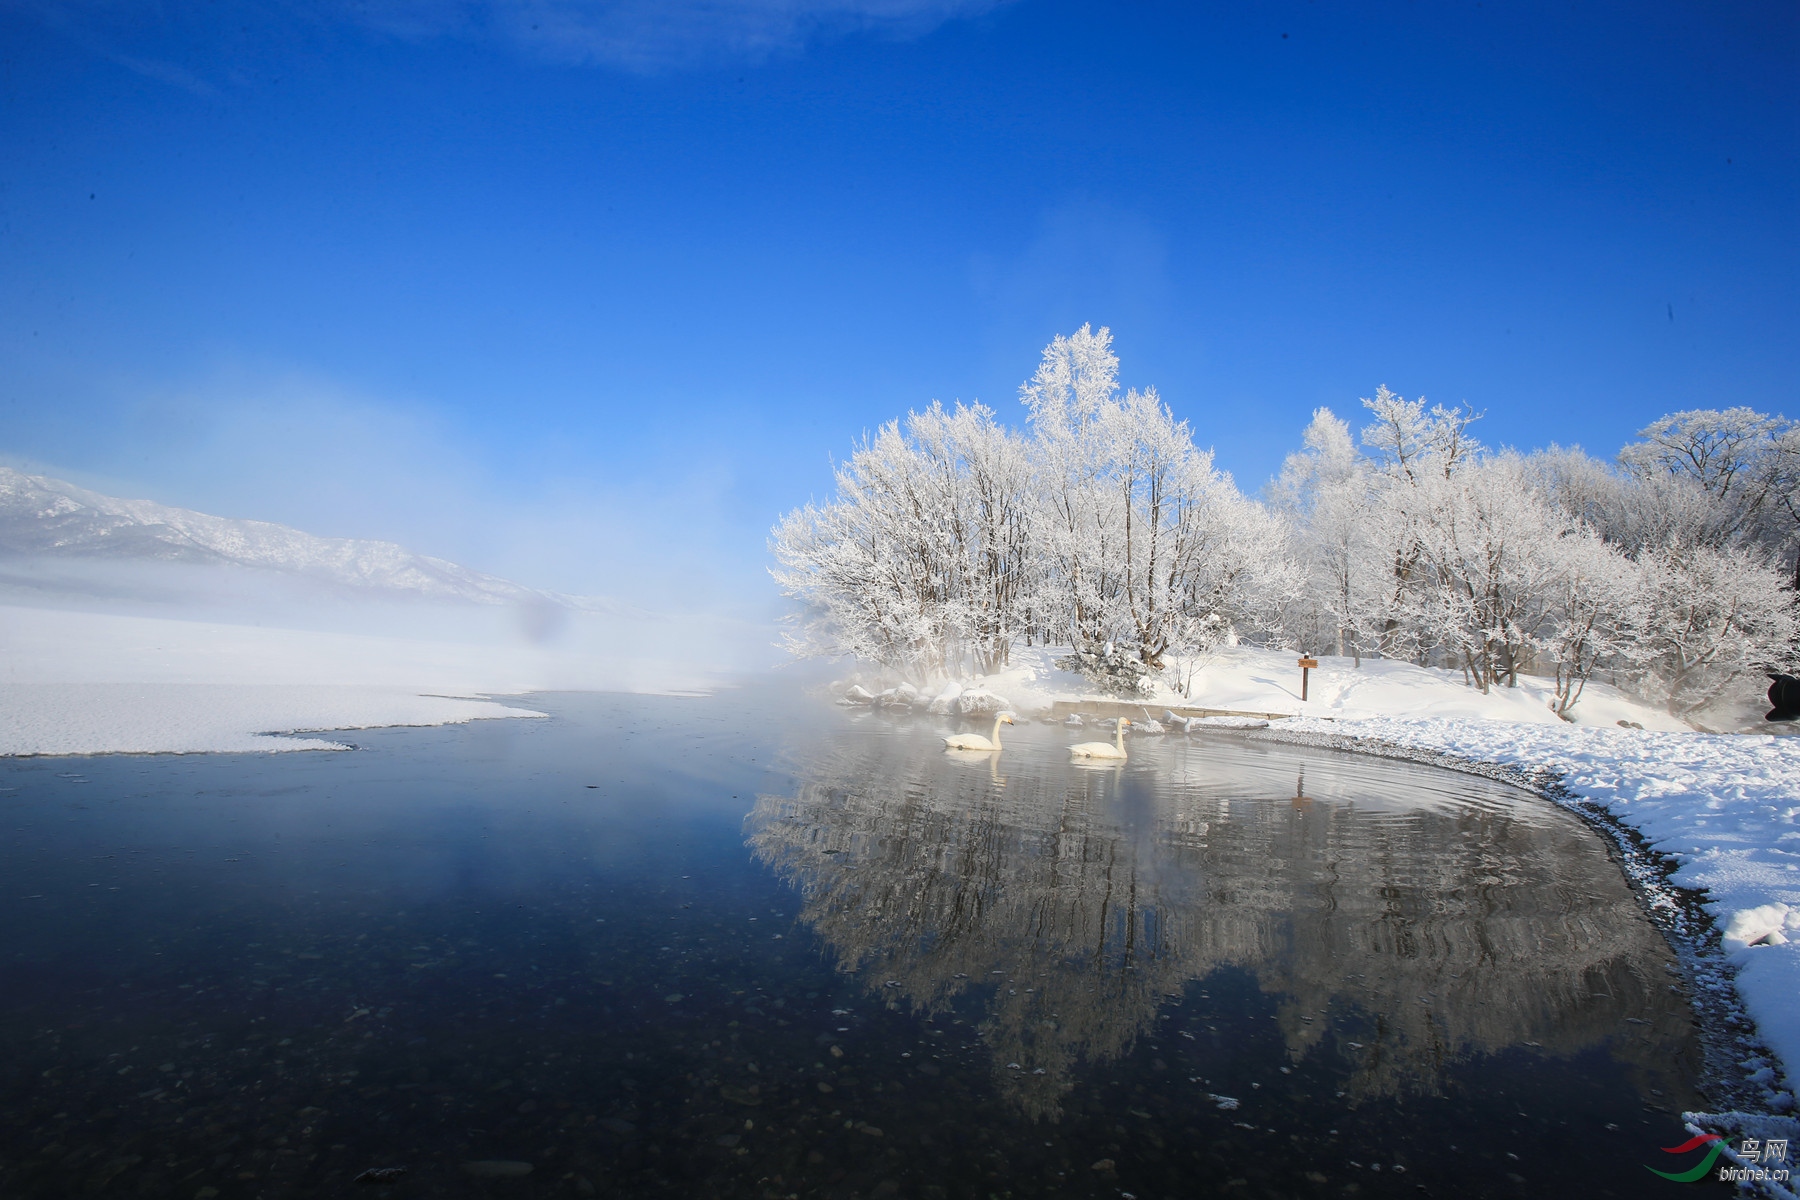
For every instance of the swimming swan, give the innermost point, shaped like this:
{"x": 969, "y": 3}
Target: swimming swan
{"x": 1101, "y": 749}
{"x": 974, "y": 741}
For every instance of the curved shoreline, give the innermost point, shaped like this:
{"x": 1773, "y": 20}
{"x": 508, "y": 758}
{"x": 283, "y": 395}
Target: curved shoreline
{"x": 1728, "y": 1035}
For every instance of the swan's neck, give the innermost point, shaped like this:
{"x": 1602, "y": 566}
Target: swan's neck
{"x": 1119, "y": 738}
{"x": 996, "y": 736}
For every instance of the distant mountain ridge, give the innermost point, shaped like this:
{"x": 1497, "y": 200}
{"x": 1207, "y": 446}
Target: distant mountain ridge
{"x": 48, "y": 518}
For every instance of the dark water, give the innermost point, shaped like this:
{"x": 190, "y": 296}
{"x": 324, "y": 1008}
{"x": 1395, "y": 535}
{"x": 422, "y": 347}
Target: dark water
{"x": 748, "y": 946}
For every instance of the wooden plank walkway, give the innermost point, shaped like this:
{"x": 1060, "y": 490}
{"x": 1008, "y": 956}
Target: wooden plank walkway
{"x": 1135, "y": 708}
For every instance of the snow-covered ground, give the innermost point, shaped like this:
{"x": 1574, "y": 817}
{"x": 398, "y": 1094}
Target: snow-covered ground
{"x": 83, "y": 682}
{"x": 127, "y": 625}
{"x": 1253, "y": 680}
{"x": 101, "y": 683}
{"x": 112, "y": 718}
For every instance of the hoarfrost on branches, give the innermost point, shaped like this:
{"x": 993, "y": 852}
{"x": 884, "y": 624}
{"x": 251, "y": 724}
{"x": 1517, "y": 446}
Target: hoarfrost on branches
{"x": 920, "y": 563}
{"x": 1103, "y": 527}
{"x": 951, "y": 538}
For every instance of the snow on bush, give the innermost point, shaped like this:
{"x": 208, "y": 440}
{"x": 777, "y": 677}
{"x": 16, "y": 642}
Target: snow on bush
{"x": 1113, "y": 671}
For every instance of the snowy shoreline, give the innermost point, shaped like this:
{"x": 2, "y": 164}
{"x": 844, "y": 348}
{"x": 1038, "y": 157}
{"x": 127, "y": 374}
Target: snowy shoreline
{"x": 53, "y": 719}
{"x": 1749, "y": 1020}
{"x": 1706, "y": 825}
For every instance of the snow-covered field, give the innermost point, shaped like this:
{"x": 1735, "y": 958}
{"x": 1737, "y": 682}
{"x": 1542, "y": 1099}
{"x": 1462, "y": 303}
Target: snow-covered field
{"x": 110, "y": 718}
{"x": 82, "y": 682}
{"x": 127, "y": 625}
{"x": 1253, "y": 680}
{"x": 102, "y": 683}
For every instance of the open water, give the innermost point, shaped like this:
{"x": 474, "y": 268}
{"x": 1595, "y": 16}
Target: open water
{"x": 756, "y": 946}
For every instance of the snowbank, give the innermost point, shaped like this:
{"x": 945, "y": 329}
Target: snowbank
{"x": 186, "y": 718}
{"x": 1252, "y": 680}
{"x": 1726, "y": 807}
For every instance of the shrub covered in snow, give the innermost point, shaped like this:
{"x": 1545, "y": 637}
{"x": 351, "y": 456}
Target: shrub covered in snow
{"x": 1111, "y": 670}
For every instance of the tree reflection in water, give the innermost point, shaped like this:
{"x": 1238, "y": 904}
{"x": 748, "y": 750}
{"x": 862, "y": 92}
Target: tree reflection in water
{"x": 1400, "y": 919}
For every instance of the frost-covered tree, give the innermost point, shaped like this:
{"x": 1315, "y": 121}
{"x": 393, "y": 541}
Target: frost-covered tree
{"x": 1410, "y": 442}
{"x": 1594, "y": 606}
{"x": 1631, "y": 510}
{"x": 922, "y": 559}
{"x": 1700, "y": 608}
{"x": 1707, "y": 618}
{"x": 1104, "y": 527}
{"x": 1784, "y": 474}
{"x": 1428, "y": 547}
{"x": 950, "y": 538}
{"x": 1416, "y": 455}
{"x": 1079, "y": 535}
{"x": 1746, "y": 462}
{"x": 1728, "y": 452}
{"x": 985, "y": 472}
{"x": 1326, "y": 492}
{"x": 1149, "y": 545}
{"x": 1486, "y": 564}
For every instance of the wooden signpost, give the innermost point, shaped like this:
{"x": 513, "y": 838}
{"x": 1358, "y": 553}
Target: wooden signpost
{"x": 1307, "y": 665}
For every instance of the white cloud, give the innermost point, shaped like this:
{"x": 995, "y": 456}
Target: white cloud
{"x": 644, "y": 36}
{"x": 165, "y": 72}
{"x": 656, "y": 35}
{"x": 650, "y": 35}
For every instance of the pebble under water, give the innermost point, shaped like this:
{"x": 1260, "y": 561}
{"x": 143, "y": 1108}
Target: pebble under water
{"x": 755, "y": 946}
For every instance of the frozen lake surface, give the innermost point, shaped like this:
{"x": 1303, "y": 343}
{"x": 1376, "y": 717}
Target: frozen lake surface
{"x": 753, "y": 946}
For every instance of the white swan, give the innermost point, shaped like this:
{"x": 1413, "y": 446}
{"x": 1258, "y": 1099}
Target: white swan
{"x": 1102, "y": 749}
{"x": 974, "y": 741}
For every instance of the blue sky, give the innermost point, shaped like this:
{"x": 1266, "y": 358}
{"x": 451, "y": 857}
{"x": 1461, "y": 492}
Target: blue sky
{"x": 586, "y": 294}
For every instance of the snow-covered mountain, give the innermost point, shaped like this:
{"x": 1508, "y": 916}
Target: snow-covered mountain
{"x": 43, "y": 518}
